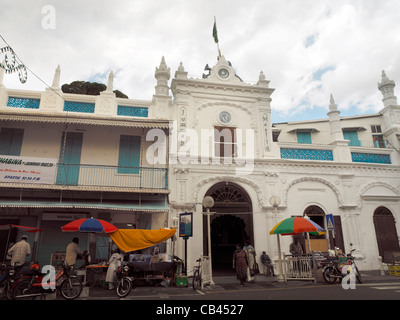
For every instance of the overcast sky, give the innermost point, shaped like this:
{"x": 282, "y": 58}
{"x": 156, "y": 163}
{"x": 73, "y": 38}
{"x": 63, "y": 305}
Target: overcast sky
{"x": 308, "y": 49}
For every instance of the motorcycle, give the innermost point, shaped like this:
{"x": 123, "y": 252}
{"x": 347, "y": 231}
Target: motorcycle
{"x": 32, "y": 284}
{"x": 124, "y": 280}
{"x": 336, "y": 269}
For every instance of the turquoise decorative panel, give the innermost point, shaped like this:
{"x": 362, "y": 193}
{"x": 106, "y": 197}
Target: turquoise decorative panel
{"x": 133, "y": 111}
{"x": 75, "y": 106}
{"x": 306, "y": 154}
{"x": 26, "y": 103}
{"x": 370, "y": 158}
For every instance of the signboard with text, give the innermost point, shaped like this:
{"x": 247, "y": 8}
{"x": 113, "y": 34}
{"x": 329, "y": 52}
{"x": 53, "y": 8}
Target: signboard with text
{"x": 185, "y": 224}
{"x": 27, "y": 170}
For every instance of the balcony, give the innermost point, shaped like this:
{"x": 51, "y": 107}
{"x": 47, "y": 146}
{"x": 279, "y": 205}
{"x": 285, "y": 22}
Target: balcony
{"x": 83, "y": 176}
{"x": 110, "y": 176}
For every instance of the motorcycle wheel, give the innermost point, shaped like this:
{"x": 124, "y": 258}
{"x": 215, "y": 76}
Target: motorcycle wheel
{"x": 20, "y": 289}
{"x": 124, "y": 287}
{"x": 8, "y": 291}
{"x": 328, "y": 274}
{"x": 71, "y": 288}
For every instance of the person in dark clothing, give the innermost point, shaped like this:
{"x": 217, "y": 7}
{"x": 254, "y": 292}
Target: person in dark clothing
{"x": 267, "y": 263}
{"x": 240, "y": 264}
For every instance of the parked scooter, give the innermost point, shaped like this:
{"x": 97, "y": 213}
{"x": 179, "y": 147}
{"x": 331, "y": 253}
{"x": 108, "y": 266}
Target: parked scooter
{"x": 32, "y": 284}
{"x": 336, "y": 269}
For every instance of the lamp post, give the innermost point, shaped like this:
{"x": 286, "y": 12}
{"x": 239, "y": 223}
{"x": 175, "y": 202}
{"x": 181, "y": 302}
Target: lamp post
{"x": 275, "y": 202}
{"x": 208, "y": 202}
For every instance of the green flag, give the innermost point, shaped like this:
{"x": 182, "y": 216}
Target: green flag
{"x": 215, "y": 34}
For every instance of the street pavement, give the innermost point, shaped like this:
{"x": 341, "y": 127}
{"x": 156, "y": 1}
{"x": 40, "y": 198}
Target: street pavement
{"x": 227, "y": 283}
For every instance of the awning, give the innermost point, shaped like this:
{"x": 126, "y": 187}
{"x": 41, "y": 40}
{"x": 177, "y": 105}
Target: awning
{"x": 82, "y": 119}
{"x": 136, "y": 239}
{"x": 144, "y": 207}
{"x": 27, "y": 229}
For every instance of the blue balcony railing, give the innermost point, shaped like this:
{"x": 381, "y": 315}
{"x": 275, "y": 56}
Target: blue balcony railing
{"x": 108, "y": 176}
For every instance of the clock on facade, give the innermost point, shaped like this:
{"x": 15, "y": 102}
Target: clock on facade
{"x": 223, "y": 73}
{"x": 225, "y": 117}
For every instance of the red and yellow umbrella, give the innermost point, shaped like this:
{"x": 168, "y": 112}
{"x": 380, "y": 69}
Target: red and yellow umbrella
{"x": 297, "y": 225}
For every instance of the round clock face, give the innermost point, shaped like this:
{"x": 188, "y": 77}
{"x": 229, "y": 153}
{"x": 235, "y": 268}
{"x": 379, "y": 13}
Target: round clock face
{"x": 225, "y": 117}
{"x": 223, "y": 73}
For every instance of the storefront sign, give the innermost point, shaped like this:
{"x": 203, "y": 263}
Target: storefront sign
{"x": 185, "y": 224}
{"x": 27, "y": 170}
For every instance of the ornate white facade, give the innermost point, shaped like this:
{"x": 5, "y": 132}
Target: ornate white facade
{"x": 345, "y": 166}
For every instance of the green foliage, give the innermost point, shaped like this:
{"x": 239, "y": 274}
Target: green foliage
{"x": 90, "y": 88}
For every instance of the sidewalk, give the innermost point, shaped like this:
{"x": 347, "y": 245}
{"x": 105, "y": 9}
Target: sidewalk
{"x": 228, "y": 283}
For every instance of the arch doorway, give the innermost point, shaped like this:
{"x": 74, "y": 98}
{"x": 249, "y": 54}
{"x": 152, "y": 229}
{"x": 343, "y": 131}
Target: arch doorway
{"x": 231, "y": 224}
{"x": 386, "y": 234}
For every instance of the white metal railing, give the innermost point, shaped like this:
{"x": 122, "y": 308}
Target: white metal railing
{"x": 205, "y": 271}
{"x": 298, "y": 267}
{"x": 101, "y": 175}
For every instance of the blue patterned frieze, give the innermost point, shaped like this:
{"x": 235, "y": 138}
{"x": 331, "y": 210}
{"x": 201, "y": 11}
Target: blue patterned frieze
{"x": 306, "y": 154}
{"x": 26, "y": 103}
{"x": 74, "y": 106}
{"x": 370, "y": 158}
{"x": 133, "y": 111}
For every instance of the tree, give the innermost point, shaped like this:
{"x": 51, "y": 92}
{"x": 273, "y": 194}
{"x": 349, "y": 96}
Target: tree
{"x": 90, "y": 88}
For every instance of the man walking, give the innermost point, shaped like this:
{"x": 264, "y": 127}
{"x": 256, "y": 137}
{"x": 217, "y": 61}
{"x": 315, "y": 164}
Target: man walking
{"x": 20, "y": 251}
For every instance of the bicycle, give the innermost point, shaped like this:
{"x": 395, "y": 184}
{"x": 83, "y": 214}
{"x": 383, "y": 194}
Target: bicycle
{"x": 196, "y": 282}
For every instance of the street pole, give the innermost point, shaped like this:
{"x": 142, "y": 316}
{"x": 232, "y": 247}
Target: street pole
{"x": 209, "y": 243}
{"x": 208, "y": 202}
{"x": 280, "y": 277}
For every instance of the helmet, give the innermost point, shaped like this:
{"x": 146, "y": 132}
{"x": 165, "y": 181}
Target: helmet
{"x": 35, "y": 266}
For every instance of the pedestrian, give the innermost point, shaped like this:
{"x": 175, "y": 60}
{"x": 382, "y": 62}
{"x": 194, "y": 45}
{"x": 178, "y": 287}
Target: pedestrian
{"x": 267, "y": 265}
{"x": 73, "y": 252}
{"x": 240, "y": 264}
{"x": 251, "y": 258}
{"x": 20, "y": 251}
{"x": 295, "y": 247}
{"x": 113, "y": 264}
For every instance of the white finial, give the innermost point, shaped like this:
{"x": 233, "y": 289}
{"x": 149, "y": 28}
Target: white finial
{"x": 110, "y": 81}
{"x": 56, "y": 79}
{"x": 332, "y": 105}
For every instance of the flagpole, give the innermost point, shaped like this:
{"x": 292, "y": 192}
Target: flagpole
{"x": 215, "y": 35}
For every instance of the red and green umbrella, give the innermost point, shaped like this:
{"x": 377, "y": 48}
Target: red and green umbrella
{"x": 297, "y": 225}
{"x": 89, "y": 225}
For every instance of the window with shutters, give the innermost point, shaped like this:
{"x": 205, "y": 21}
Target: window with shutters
{"x": 304, "y": 137}
{"x": 225, "y": 142}
{"x": 129, "y": 154}
{"x": 11, "y": 141}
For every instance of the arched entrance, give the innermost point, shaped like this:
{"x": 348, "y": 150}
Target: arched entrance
{"x": 386, "y": 234}
{"x": 231, "y": 224}
{"x": 331, "y": 239}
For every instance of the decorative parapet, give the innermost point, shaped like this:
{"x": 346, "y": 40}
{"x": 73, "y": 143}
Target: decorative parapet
{"x": 57, "y": 102}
